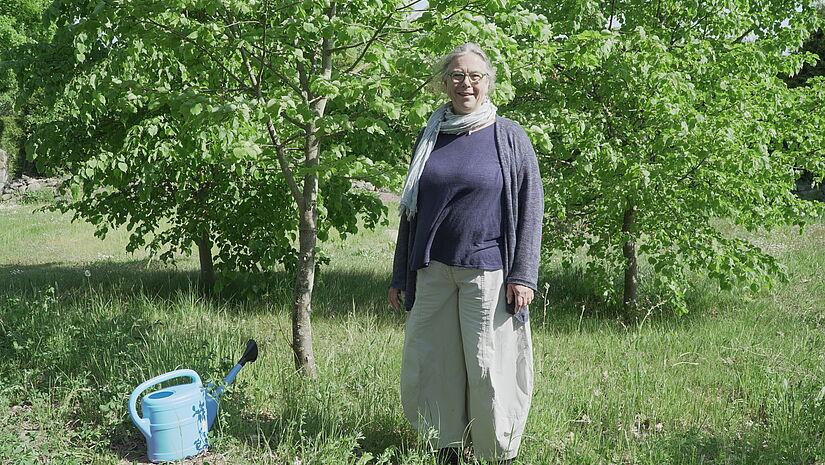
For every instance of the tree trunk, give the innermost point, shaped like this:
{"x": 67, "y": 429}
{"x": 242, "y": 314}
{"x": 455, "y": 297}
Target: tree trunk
{"x": 305, "y": 273}
{"x": 307, "y": 205}
{"x": 207, "y": 276}
{"x": 631, "y": 265}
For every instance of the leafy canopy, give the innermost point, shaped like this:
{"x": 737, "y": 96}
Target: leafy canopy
{"x": 672, "y": 111}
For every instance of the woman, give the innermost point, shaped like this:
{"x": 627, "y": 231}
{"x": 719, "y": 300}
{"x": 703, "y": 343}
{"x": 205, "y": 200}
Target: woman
{"x": 466, "y": 265}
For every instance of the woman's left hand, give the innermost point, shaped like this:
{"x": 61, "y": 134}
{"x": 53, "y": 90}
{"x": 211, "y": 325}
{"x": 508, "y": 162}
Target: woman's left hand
{"x": 521, "y": 295}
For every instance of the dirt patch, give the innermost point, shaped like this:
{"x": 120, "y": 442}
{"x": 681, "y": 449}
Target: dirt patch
{"x": 130, "y": 446}
{"x": 389, "y": 197}
{"x": 205, "y": 457}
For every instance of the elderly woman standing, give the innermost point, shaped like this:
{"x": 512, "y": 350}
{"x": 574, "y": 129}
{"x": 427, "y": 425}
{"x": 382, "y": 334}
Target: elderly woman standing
{"x": 466, "y": 265}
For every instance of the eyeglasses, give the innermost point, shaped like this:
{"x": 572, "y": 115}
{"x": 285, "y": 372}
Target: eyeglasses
{"x": 458, "y": 76}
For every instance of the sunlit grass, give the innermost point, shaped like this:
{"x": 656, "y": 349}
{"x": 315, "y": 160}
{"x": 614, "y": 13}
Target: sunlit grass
{"x": 738, "y": 380}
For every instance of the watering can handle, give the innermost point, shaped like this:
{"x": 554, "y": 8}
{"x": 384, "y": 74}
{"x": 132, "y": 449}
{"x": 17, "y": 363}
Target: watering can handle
{"x": 143, "y": 423}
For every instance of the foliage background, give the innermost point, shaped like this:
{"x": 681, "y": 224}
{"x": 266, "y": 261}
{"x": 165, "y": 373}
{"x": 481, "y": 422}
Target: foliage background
{"x": 20, "y": 24}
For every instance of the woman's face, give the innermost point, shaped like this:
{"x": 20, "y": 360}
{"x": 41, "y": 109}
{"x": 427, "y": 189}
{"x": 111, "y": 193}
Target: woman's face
{"x": 467, "y": 96}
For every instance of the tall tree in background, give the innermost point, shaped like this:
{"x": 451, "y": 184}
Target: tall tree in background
{"x": 655, "y": 120}
{"x": 19, "y": 24}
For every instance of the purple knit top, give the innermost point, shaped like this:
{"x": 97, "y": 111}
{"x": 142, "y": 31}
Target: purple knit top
{"x": 460, "y": 204}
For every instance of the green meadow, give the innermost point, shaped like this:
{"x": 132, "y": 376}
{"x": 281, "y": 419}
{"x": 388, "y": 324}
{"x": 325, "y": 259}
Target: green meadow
{"x": 738, "y": 380}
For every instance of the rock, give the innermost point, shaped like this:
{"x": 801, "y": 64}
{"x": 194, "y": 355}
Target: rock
{"x": 363, "y": 185}
{"x": 15, "y": 189}
{"x": 389, "y": 197}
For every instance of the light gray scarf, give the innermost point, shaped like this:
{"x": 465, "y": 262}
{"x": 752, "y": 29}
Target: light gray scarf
{"x": 442, "y": 120}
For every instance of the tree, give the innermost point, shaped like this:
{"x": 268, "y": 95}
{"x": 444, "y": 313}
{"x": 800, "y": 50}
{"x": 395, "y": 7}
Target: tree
{"x": 212, "y": 114}
{"x": 653, "y": 121}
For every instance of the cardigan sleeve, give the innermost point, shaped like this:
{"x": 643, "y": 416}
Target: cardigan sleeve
{"x": 400, "y": 275}
{"x": 530, "y": 215}
{"x": 399, "y": 262}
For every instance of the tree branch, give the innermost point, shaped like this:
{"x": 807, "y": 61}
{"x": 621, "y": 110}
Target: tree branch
{"x": 294, "y": 121}
{"x": 693, "y": 170}
{"x": 264, "y": 63}
{"x": 347, "y": 47}
{"x": 464, "y": 8}
{"x": 417, "y": 89}
{"x": 181, "y": 36}
{"x": 273, "y": 136}
{"x": 369, "y": 43}
{"x": 742, "y": 37}
{"x": 283, "y": 7}
{"x": 334, "y": 133}
{"x": 225, "y": 91}
{"x": 242, "y": 22}
{"x": 284, "y": 164}
{"x": 278, "y": 73}
{"x": 408, "y": 5}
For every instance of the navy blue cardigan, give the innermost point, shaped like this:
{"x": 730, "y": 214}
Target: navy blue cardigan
{"x": 523, "y": 211}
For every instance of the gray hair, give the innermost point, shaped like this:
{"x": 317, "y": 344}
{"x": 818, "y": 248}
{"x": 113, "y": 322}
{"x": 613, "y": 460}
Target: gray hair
{"x": 443, "y": 66}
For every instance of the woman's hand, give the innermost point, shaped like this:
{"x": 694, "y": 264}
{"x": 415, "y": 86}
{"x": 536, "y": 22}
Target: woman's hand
{"x": 395, "y": 297}
{"x": 521, "y": 295}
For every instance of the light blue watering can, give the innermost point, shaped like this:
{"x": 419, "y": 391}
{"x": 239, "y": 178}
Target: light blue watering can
{"x": 176, "y": 419}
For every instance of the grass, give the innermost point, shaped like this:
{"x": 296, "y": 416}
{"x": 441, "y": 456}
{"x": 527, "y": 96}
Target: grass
{"x": 739, "y": 380}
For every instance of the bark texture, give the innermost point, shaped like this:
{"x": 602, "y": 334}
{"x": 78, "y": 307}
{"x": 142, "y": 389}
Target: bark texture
{"x": 207, "y": 274}
{"x": 302, "y": 297}
{"x": 631, "y": 264}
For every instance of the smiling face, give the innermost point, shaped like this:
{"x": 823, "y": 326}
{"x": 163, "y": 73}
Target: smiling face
{"x": 466, "y": 96}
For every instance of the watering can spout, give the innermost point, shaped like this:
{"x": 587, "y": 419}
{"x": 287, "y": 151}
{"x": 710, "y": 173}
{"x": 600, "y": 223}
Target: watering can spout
{"x": 249, "y": 355}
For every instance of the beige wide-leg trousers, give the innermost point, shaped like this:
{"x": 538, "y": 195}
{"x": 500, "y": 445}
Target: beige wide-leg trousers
{"x": 467, "y": 369}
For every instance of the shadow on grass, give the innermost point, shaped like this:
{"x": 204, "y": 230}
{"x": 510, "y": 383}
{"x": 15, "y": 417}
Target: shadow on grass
{"x": 316, "y": 431}
{"x": 740, "y": 448}
{"x": 565, "y": 300}
{"x": 336, "y": 292}
{"x": 131, "y": 278}
{"x": 568, "y": 301}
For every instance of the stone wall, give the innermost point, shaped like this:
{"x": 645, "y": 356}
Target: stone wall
{"x": 15, "y": 189}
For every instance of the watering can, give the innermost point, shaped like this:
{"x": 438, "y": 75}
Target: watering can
{"x": 176, "y": 419}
